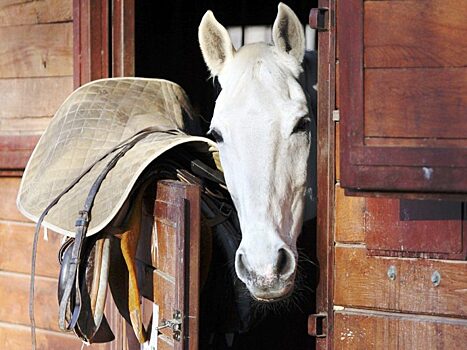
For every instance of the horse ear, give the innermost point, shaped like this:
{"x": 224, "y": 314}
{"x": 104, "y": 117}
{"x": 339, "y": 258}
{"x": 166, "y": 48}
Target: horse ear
{"x": 287, "y": 32}
{"x": 215, "y": 43}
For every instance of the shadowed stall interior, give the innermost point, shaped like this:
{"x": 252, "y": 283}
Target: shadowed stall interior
{"x": 166, "y": 46}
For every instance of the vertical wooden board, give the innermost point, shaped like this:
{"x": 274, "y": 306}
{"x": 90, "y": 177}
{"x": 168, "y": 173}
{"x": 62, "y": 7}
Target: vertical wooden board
{"x": 408, "y": 103}
{"x": 14, "y": 300}
{"x": 178, "y": 206}
{"x": 165, "y": 247}
{"x": 164, "y": 295}
{"x": 33, "y": 97}
{"x": 15, "y": 250}
{"x": 326, "y": 172}
{"x": 123, "y": 38}
{"x": 364, "y": 330}
{"x": 337, "y": 153}
{"x": 41, "y": 50}
{"x": 362, "y": 281}
{"x": 350, "y": 217}
{"x": 426, "y": 33}
{"x": 34, "y": 12}
{"x": 415, "y": 226}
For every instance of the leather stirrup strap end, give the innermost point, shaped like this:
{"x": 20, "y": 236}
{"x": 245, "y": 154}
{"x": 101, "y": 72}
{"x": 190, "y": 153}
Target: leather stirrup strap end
{"x": 129, "y": 244}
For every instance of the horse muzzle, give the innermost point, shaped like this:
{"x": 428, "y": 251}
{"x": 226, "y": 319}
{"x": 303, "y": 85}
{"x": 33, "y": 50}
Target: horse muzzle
{"x": 267, "y": 281}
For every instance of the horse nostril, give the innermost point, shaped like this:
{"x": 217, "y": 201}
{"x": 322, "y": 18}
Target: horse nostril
{"x": 284, "y": 262}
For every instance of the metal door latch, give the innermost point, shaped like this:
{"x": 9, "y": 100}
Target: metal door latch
{"x": 319, "y": 19}
{"x": 175, "y": 324}
{"x": 317, "y": 325}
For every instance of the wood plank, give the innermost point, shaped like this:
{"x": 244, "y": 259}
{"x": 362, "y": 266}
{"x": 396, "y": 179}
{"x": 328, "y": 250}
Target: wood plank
{"x": 14, "y": 300}
{"x": 350, "y": 217}
{"x": 16, "y": 12}
{"x": 415, "y": 228}
{"x": 35, "y": 125}
{"x": 15, "y": 250}
{"x": 164, "y": 248}
{"x": 41, "y": 50}
{"x": 426, "y": 33}
{"x": 15, "y": 151}
{"x": 33, "y": 97}
{"x": 19, "y": 338}
{"x": 8, "y": 191}
{"x": 445, "y": 182}
{"x": 416, "y": 103}
{"x": 362, "y": 281}
{"x": 164, "y": 296}
{"x": 367, "y": 330}
{"x": 337, "y": 153}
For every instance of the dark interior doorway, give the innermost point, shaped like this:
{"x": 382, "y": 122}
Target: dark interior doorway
{"x": 166, "y": 46}
{"x": 166, "y": 39}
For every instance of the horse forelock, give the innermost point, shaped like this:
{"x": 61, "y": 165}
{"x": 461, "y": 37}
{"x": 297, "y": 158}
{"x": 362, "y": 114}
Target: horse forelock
{"x": 262, "y": 64}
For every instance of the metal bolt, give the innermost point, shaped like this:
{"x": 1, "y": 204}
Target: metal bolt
{"x": 392, "y": 272}
{"x": 436, "y": 278}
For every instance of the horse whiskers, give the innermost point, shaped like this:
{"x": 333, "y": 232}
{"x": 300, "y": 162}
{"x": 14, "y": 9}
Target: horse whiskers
{"x": 302, "y": 257}
{"x": 295, "y": 302}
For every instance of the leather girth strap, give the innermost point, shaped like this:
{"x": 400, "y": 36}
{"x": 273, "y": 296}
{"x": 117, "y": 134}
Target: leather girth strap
{"x": 80, "y": 234}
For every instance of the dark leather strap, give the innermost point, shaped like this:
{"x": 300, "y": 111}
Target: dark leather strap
{"x": 81, "y": 229}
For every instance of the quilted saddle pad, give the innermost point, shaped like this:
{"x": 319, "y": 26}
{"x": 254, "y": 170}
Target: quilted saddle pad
{"x": 93, "y": 120}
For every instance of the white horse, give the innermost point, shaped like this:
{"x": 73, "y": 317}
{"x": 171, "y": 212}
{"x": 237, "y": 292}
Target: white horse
{"x": 262, "y": 127}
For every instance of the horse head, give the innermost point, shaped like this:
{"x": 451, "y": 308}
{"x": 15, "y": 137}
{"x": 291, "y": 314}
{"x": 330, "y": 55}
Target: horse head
{"x": 262, "y": 127}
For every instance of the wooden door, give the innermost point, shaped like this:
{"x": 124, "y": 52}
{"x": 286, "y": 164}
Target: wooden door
{"x": 397, "y": 266}
{"x": 175, "y": 257}
{"x": 403, "y": 96}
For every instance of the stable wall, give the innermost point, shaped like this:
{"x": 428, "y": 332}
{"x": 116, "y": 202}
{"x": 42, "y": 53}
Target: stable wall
{"x": 36, "y": 68}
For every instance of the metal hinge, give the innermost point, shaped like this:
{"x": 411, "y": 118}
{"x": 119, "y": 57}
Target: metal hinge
{"x": 175, "y": 324}
{"x": 319, "y": 19}
{"x": 336, "y": 116}
{"x": 317, "y": 325}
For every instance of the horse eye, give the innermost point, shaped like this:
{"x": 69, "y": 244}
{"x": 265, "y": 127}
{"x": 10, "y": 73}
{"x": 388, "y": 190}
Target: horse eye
{"x": 216, "y": 135}
{"x": 303, "y": 125}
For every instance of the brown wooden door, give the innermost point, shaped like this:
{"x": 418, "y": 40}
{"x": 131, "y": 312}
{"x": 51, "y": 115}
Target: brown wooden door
{"x": 175, "y": 256}
{"x": 403, "y": 95}
{"x": 392, "y": 271}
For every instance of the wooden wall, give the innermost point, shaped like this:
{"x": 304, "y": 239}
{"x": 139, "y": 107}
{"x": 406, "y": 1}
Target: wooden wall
{"x": 390, "y": 302}
{"x": 36, "y": 68}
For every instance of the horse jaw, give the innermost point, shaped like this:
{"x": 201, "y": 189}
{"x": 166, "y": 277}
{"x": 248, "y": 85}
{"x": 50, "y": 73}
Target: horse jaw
{"x": 264, "y": 160}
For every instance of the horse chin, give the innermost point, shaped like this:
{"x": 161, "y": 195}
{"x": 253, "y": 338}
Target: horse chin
{"x": 272, "y": 295}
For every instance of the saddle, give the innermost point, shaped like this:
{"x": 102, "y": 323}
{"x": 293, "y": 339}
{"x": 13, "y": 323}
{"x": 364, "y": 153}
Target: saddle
{"x": 104, "y": 146}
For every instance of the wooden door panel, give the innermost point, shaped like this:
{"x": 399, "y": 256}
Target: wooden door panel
{"x": 164, "y": 249}
{"x": 415, "y": 33}
{"x": 366, "y": 330}
{"x": 415, "y": 228}
{"x": 175, "y": 257}
{"x": 350, "y": 218}
{"x": 413, "y": 104}
{"x": 363, "y": 281}
{"x": 402, "y": 97}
